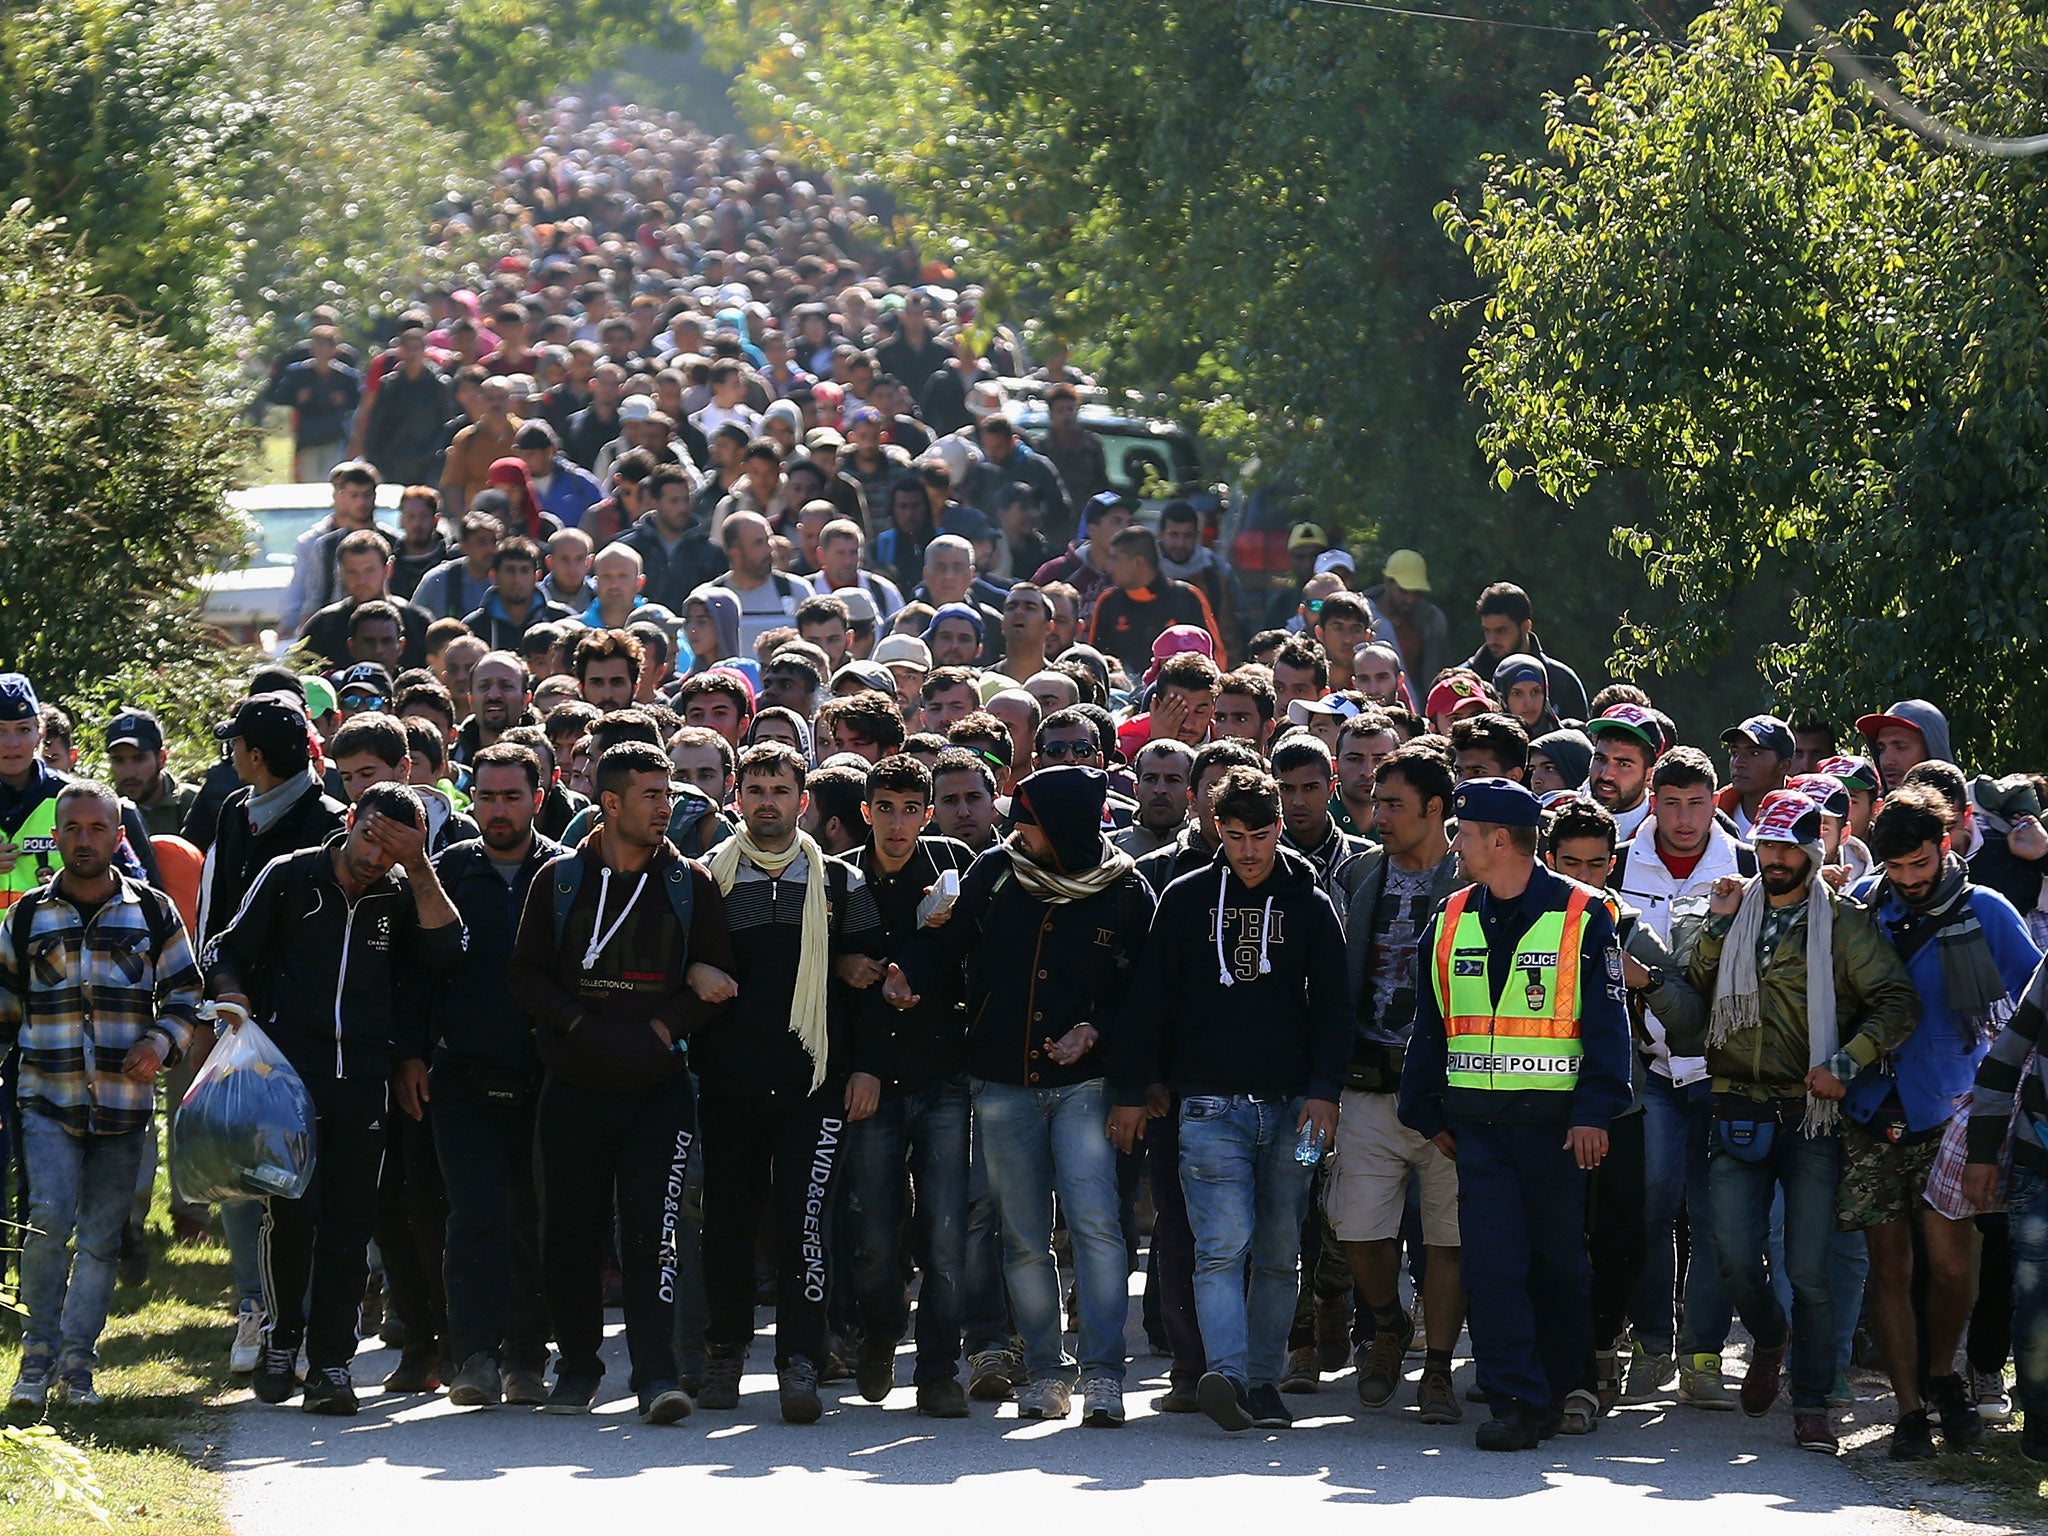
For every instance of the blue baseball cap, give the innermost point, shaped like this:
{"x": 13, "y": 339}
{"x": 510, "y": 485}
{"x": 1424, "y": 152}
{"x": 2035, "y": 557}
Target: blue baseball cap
{"x": 1766, "y": 731}
{"x": 18, "y": 697}
{"x": 1498, "y": 802}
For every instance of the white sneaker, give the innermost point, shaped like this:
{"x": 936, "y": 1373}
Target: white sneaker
{"x": 1994, "y": 1401}
{"x": 248, "y": 1338}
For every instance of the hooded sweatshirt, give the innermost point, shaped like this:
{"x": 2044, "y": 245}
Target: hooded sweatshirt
{"x": 1238, "y": 990}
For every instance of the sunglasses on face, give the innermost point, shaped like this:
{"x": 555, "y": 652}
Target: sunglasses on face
{"x": 1054, "y": 751}
{"x": 362, "y": 701}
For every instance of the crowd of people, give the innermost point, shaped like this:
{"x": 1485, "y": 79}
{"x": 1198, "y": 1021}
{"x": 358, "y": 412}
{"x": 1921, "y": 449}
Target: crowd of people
{"x": 758, "y": 832}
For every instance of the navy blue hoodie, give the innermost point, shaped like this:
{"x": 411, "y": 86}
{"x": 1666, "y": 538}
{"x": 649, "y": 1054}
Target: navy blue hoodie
{"x": 1280, "y": 1028}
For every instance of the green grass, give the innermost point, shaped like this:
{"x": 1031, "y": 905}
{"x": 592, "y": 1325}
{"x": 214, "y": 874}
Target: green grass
{"x": 163, "y": 1367}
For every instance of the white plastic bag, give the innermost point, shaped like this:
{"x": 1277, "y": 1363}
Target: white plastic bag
{"x": 245, "y": 1129}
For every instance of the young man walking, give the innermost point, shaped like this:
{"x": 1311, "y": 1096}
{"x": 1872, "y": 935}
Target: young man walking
{"x": 1238, "y": 1005}
{"x": 99, "y": 989}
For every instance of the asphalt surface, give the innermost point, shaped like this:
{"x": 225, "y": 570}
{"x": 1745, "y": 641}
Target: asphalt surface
{"x": 423, "y": 1465}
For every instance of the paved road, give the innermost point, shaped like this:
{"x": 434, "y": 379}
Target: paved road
{"x": 1655, "y": 1472}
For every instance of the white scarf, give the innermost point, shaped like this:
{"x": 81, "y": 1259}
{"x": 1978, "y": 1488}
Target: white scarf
{"x": 807, "y": 1013}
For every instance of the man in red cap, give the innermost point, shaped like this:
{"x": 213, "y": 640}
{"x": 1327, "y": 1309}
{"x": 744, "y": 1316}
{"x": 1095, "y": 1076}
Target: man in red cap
{"x": 1911, "y": 732}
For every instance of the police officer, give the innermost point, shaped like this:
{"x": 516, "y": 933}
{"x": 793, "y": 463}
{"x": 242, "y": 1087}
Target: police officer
{"x": 1518, "y": 1061}
{"x": 28, "y": 802}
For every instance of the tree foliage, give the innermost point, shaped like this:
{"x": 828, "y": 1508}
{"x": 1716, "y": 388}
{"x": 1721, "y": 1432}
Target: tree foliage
{"x": 1229, "y": 204}
{"x": 1814, "y": 336}
{"x": 113, "y": 466}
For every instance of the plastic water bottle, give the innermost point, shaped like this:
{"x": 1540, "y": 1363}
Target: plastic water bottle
{"x": 1308, "y": 1150}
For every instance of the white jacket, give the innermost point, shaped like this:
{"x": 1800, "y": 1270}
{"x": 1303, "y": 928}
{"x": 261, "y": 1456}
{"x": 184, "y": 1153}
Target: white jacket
{"x": 1650, "y": 887}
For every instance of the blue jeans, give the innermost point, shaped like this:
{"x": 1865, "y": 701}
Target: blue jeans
{"x": 77, "y": 1185}
{"x": 2026, "y": 1214}
{"x": 1806, "y": 1169}
{"x": 1848, "y": 1269}
{"x": 1040, "y": 1142}
{"x": 1676, "y": 1125}
{"x": 1246, "y": 1199}
{"x": 924, "y": 1131}
{"x": 241, "y": 1221}
{"x": 984, "y": 1299}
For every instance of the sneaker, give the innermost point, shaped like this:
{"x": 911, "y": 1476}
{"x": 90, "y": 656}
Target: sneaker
{"x": 1580, "y": 1414}
{"x": 1225, "y": 1401}
{"x": 418, "y": 1372}
{"x": 248, "y": 1345}
{"x": 1179, "y": 1397}
{"x": 274, "y": 1378}
{"x": 1380, "y": 1372}
{"x": 526, "y": 1386}
{"x": 1049, "y": 1398}
{"x": 1268, "y": 1411}
{"x": 994, "y": 1374}
{"x": 72, "y": 1386}
{"x": 1760, "y": 1387}
{"x": 1647, "y": 1377}
{"x": 1304, "y": 1371}
{"x": 1961, "y": 1427}
{"x": 1913, "y": 1438}
{"x": 370, "y": 1321}
{"x": 835, "y": 1367}
{"x": 1433, "y": 1395}
{"x": 1701, "y": 1384}
{"x": 797, "y": 1385}
{"x": 1994, "y": 1403}
{"x": 1841, "y": 1396}
{"x": 479, "y": 1384}
{"x": 1811, "y": 1431}
{"x": 663, "y": 1402}
{"x": 722, "y": 1371}
{"x": 875, "y": 1373}
{"x": 1418, "y": 1339}
{"x": 942, "y": 1399}
{"x": 1513, "y": 1431}
{"x": 572, "y": 1394}
{"x": 1333, "y": 1334}
{"x": 32, "y": 1384}
{"x": 329, "y": 1390}
{"x": 1102, "y": 1403}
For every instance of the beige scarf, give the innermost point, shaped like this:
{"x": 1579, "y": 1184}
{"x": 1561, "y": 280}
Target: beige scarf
{"x": 1738, "y": 988}
{"x": 814, "y": 965}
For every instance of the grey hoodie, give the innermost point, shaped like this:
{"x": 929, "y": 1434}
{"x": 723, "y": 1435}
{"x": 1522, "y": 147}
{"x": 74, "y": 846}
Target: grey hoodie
{"x": 1931, "y": 723}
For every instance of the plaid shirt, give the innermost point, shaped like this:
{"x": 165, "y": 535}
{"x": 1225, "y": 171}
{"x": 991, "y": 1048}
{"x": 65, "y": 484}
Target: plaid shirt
{"x": 77, "y": 996}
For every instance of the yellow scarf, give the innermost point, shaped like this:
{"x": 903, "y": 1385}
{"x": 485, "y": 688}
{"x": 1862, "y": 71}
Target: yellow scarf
{"x": 814, "y": 964}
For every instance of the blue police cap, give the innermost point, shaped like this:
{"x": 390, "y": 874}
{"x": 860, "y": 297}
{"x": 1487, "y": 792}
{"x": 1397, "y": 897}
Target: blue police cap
{"x": 1501, "y": 802}
{"x": 18, "y": 697}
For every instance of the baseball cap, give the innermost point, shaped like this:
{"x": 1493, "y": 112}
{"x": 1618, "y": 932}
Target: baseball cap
{"x": 1335, "y": 704}
{"x": 1630, "y": 720}
{"x": 1824, "y": 790}
{"x": 1500, "y": 802}
{"x": 969, "y": 523}
{"x": 1787, "y": 816}
{"x": 902, "y": 651}
{"x": 1175, "y": 640}
{"x": 1913, "y": 714}
{"x": 320, "y": 699}
{"x": 1106, "y": 501}
{"x": 365, "y": 677}
{"x": 1453, "y": 695}
{"x": 1335, "y": 560}
{"x": 271, "y": 723}
{"x": 136, "y": 728}
{"x": 860, "y": 604}
{"x": 1766, "y": 731}
{"x": 823, "y": 437}
{"x": 635, "y": 408}
{"x": 869, "y": 674}
{"x": 1406, "y": 570}
{"x": 18, "y": 697}
{"x": 1306, "y": 535}
{"x": 1851, "y": 772}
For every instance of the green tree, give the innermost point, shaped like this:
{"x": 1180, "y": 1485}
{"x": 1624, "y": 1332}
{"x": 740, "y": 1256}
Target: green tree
{"x": 1811, "y": 335}
{"x": 113, "y": 467}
